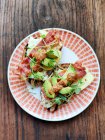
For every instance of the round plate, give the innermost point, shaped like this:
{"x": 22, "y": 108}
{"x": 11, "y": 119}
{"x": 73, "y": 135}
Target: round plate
{"x": 79, "y": 103}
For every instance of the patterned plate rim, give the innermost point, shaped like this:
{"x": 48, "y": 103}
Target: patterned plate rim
{"x": 56, "y": 119}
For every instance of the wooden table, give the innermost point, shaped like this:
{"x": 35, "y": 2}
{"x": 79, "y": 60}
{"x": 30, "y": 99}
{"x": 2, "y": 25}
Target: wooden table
{"x": 18, "y": 18}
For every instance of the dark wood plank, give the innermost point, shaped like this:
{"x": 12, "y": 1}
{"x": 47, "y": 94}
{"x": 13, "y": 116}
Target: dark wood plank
{"x": 20, "y": 18}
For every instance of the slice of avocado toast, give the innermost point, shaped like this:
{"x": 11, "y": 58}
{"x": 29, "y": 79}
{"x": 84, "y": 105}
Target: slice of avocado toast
{"x": 67, "y": 89}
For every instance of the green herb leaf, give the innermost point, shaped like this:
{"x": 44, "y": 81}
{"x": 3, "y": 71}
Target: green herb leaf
{"x": 69, "y": 83}
{"x": 77, "y": 90}
{"x": 62, "y": 97}
{"x": 43, "y": 36}
{"x": 57, "y": 100}
{"x": 48, "y": 62}
{"x": 51, "y": 63}
{"x": 74, "y": 86}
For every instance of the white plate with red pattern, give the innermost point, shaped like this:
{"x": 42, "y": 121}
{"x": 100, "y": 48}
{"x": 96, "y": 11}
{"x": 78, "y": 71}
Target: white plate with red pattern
{"x": 77, "y": 48}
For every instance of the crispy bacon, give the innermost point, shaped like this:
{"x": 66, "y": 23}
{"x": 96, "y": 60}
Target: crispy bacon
{"x": 24, "y": 67}
{"x": 63, "y": 82}
{"x": 21, "y": 70}
{"x": 80, "y": 70}
{"x": 80, "y": 73}
{"x": 71, "y": 77}
{"x": 36, "y": 67}
{"x": 27, "y": 71}
{"x": 25, "y": 60}
{"x": 78, "y": 65}
{"x": 50, "y": 37}
{"x": 57, "y": 88}
{"x": 39, "y": 55}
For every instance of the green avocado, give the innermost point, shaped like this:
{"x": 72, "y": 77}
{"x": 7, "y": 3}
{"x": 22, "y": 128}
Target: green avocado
{"x": 70, "y": 69}
{"x": 37, "y": 75}
{"x": 54, "y": 80}
{"x": 47, "y": 86}
{"x": 66, "y": 90}
{"x": 48, "y": 62}
{"x": 54, "y": 54}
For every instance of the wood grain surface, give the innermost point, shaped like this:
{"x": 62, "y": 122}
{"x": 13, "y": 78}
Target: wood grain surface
{"x": 18, "y": 18}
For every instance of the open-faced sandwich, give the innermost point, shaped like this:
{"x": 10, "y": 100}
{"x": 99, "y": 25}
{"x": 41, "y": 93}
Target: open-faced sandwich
{"x": 67, "y": 79}
{"x": 41, "y": 56}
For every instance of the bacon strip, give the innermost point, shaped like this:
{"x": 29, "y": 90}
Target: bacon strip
{"x": 24, "y": 67}
{"x": 39, "y": 55}
{"x": 50, "y": 37}
{"x": 80, "y": 70}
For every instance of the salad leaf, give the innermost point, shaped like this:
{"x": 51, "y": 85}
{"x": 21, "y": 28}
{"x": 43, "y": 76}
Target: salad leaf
{"x": 58, "y": 100}
{"x": 62, "y": 97}
{"x": 74, "y": 86}
{"x": 48, "y": 62}
{"x": 69, "y": 83}
{"x": 37, "y": 76}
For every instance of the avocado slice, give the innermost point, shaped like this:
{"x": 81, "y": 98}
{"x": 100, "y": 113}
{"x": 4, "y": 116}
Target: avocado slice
{"x": 37, "y": 75}
{"x": 54, "y": 80}
{"x": 54, "y": 53}
{"x": 47, "y": 86}
{"x": 70, "y": 69}
{"x": 48, "y": 62}
{"x": 66, "y": 90}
